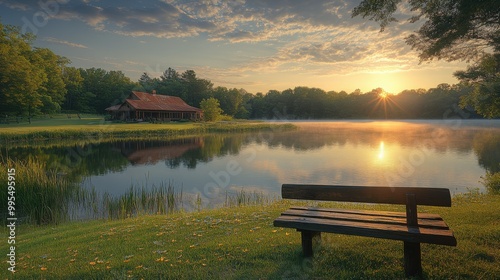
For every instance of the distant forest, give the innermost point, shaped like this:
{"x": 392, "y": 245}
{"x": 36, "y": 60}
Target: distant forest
{"x": 37, "y": 81}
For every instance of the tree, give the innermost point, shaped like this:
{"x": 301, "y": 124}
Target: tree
{"x": 454, "y": 30}
{"x": 245, "y": 106}
{"x": 484, "y": 76}
{"x": 195, "y": 89}
{"x": 108, "y": 88}
{"x": 170, "y": 83}
{"x": 258, "y": 105}
{"x": 148, "y": 84}
{"x": 73, "y": 82}
{"x": 230, "y": 100}
{"x": 53, "y": 89}
{"x": 31, "y": 79}
{"x": 20, "y": 79}
{"x": 169, "y": 74}
{"x": 211, "y": 109}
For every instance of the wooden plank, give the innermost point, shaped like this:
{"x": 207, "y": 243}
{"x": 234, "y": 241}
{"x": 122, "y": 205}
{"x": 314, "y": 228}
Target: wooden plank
{"x": 434, "y": 223}
{"x": 412, "y": 259}
{"x": 369, "y": 212}
{"x": 308, "y": 238}
{"x": 411, "y": 210}
{"x": 366, "y": 194}
{"x": 386, "y": 231}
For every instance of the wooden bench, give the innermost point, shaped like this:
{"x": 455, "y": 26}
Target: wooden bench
{"x": 411, "y": 227}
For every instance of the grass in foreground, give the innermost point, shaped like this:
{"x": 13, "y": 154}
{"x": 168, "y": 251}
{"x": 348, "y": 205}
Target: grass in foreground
{"x": 241, "y": 243}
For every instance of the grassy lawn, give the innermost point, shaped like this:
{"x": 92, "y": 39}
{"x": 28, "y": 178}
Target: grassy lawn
{"x": 90, "y": 126}
{"x": 241, "y": 243}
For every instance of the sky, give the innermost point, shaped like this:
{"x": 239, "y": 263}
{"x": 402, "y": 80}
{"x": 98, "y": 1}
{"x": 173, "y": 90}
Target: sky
{"x": 257, "y": 45}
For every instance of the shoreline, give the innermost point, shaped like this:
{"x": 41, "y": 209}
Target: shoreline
{"x": 106, "y": 131}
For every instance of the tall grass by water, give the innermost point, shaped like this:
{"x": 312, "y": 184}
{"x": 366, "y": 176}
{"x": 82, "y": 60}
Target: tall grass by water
{"x": 46, "y": 197}
{"x": 162, "y": 199}
{"x": 246, "y": 198}
{"x": 41, "y": 197}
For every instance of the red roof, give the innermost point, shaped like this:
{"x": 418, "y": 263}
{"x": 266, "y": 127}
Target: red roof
{"x": 157, "y": 102}
{"x": 113, "y": 108}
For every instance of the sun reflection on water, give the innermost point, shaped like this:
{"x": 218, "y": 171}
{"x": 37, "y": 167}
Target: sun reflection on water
{"x": 381, "y": 152}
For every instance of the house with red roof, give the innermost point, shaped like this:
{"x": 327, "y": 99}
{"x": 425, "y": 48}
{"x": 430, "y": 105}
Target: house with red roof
{"x": 142, "y": 106}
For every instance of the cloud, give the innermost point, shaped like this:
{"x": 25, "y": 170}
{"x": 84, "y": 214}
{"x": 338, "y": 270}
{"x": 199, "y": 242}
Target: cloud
{"x": 317, "y": 36}
{"x": 233, "y": 21}
{"x": 16, "y": 5}
{"x": 63, "y": 42}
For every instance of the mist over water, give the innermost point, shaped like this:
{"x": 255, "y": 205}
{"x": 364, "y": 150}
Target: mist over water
{"x": 450, "y": 154}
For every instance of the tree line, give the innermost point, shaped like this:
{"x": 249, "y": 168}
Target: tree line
{"x": 313, "y": 103}
{"x": 37, "y": 81}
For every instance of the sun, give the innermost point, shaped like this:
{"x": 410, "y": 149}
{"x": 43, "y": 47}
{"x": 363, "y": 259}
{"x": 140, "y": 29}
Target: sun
{"x": 383, "y": 95}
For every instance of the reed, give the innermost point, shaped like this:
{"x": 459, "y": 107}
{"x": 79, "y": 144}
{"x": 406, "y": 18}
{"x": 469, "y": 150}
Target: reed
{"x": 246, "y": 198}
{"x": 159, "y": 200}
{"x": 46, "y": 197}
{"x": 41, "y": 197}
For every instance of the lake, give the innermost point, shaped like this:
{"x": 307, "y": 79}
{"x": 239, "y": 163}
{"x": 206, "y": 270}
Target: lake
{"x": 450, "y": 154}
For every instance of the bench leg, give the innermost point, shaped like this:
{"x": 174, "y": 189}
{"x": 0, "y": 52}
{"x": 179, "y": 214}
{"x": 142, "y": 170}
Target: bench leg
{"x": 307, "y": 241}
{"x": 413, "y": 261}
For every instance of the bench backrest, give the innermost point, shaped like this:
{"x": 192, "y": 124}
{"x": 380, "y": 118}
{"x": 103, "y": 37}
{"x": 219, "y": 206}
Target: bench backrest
{"x": 388, "y": 195}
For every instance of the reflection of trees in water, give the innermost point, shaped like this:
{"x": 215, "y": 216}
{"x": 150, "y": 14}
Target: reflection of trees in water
{"x": 487, "y": 148}
{"x": 152, "y": 151}
{"x": 212, "y": 146}
{"x": 438, "y": 138}
{"x": 74, "y": 161}
{"x": 79, "y": 159}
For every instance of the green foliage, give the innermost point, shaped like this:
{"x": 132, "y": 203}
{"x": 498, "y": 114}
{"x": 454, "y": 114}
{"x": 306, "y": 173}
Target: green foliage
{"x": 312, "y": 103}
{"x": 484, "y": 76}
{"x": 186, "y": 85}
{"x": 53, "y": 90}
{"x": 195, "y": 89}
{"x": 76, "y": 99}
{"x": 101, "y": 89}
{"x": 211, "y": 109}
{"x": 31, "y": 79}
{"x": 20, "y": 80}
{"x": 230, "y": 100}
{"x": 147, "y": 83}
{"x": 453, "y": 29}
{"x": 492, "y": 182}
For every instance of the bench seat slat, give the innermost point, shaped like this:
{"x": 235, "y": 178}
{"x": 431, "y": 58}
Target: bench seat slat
{"x": 377, "y": 230}
{"x": 375, "y": 217}
{"x": 427, "y": 216}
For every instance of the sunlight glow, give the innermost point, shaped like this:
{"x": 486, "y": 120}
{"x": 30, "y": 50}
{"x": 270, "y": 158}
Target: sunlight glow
{"x": 381, "y": 152}
{"x": 384, "y": 104}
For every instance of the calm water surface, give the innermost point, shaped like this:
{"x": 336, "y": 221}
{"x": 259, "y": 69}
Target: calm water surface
{"x": 450, "y": 154}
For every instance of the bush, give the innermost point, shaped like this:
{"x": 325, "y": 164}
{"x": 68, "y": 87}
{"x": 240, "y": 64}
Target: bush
{"x": 211, "y": 109}
{"x": 492, "y": 182}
